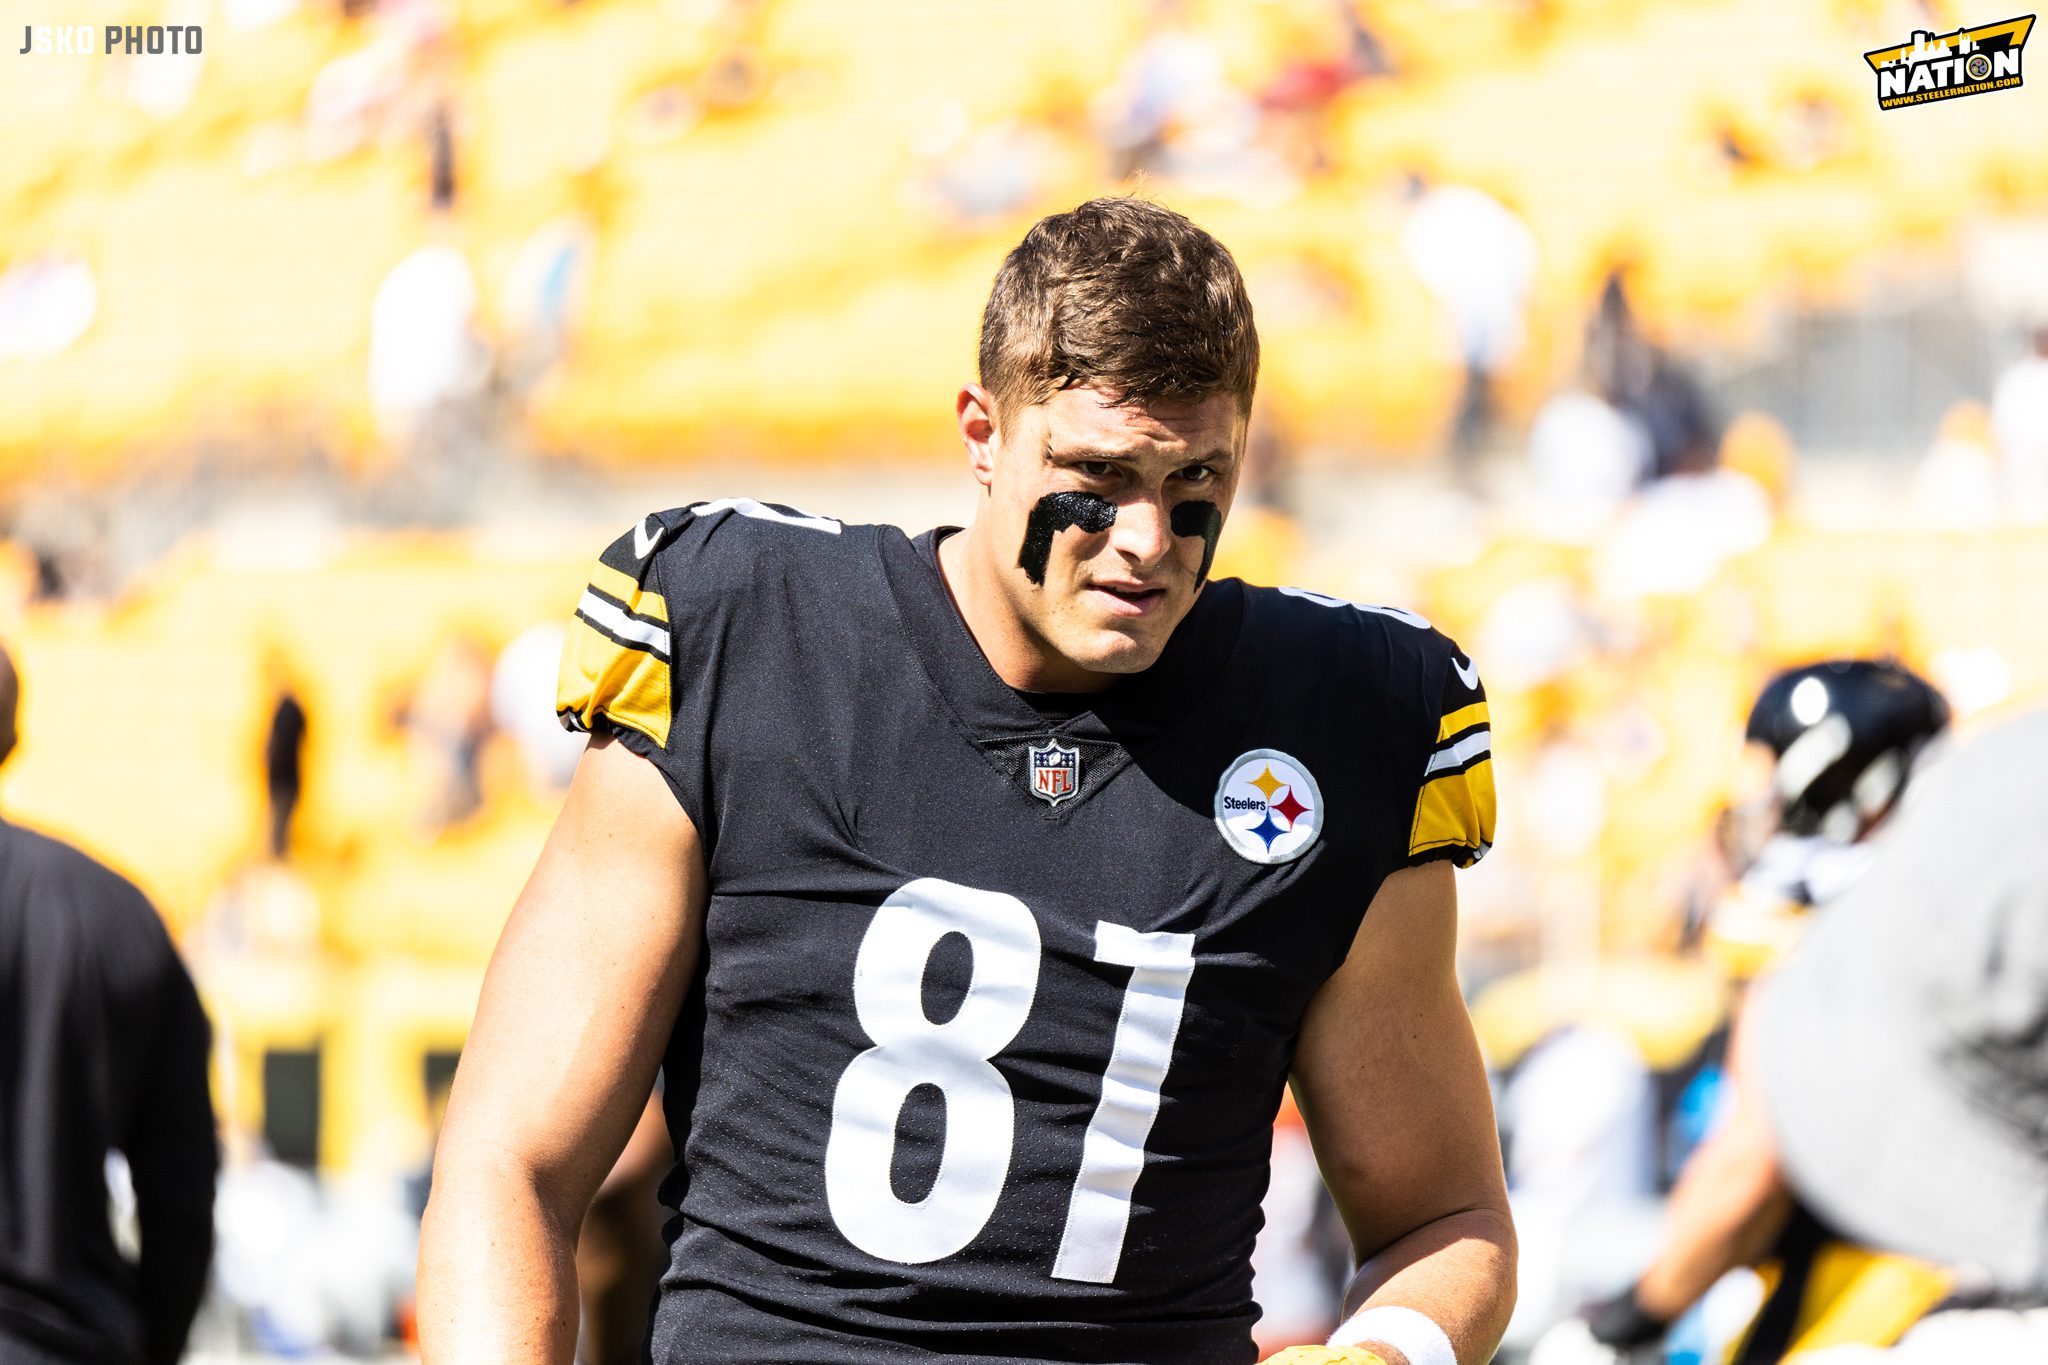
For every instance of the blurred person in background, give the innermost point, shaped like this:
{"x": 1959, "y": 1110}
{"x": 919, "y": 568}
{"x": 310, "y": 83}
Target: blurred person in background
{"x": 1479, "y": 259}
{"x": 1956, "y": 483}
{"x": 447, "y": 721}
{"x": 103, "y": 1056}
{"x": 284, "y": 756}
{"x": 1651, "y": 383}
{"x": 836, "y": 771}
{"x": 2019, "y": 415}
{"x": 1834, "y": 746}
{"x": 1902, "y": 1060}
{"x": 522, "y": 705}
{"x": 619, "y": 1252}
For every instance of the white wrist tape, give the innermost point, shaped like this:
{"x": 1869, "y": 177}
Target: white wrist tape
{"x": 1411, "y": 1333}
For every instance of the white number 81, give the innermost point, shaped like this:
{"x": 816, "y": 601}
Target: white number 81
{"x": 910, "y": 1050}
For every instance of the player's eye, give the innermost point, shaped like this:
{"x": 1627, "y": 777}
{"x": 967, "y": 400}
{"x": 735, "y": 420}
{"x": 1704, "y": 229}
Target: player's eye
{"x": 1199, "y": 473}
{"x": 1096, "y": 469}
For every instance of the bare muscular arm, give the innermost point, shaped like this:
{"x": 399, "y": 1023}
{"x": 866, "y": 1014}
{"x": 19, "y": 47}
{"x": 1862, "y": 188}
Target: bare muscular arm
{"x": 576, "y": 1007}
{"x": 1390, "y": 1082}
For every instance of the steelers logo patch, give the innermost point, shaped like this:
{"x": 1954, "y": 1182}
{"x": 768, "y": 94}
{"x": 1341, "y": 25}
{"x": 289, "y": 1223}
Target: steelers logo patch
{"x": 1268, "y": 807}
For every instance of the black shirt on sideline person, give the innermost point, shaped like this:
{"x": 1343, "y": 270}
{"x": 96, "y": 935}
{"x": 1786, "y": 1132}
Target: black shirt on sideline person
{"x": 103, "y": 1046}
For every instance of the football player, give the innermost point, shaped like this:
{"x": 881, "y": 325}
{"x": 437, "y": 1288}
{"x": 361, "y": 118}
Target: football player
{"x": 977, "y": 894}
{"x": 1836, "y": 744}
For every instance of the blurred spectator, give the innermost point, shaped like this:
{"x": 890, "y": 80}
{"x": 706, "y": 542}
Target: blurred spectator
{"x": 1813, "y": 132}
{"x": 312, "y": 1263}
{"x": 1587, "y": 456}
{"x": 1903, "y": 1052}
{"x": 1479, "y": 260}
{"x": 1302, "y": 1256}
{"x": 539, "y": 297}
{"x": 2019, "y": 414}
{"x": 1677, "y": 534}
{"x": 440, "y": 159}
{"x": 447, "y": 720}
{"x": 620, "y": 1254}
{"x": 1297, "y": 101}
{"x": 1649, "y": 383}
{"x": 103, "y": 1053}
{"x": 284, "y": 749}
{"x": 523, "y": 706}
{"x": 1173, "y": 110}
{"x": 425, "y": 355}
{"x": 973, "y": 175}
{"x": 46, "y": 303}
{"x": 1956, "y": 482}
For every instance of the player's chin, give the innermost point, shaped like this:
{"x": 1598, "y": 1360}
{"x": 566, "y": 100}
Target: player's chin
{"x": 1119, "y": 648}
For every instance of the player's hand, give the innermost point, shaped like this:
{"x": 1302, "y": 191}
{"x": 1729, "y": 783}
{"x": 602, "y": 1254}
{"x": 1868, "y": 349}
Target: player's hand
{"x": 1324, "y": 1355}
{"x": 1572, "y": 1342}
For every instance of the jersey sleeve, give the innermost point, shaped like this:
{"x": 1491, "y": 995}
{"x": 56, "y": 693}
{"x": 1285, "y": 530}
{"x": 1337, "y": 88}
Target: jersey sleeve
{"x": 676, "y": 614}
{"x": 1454, "y": 807}
{"x": 616, "y": 675}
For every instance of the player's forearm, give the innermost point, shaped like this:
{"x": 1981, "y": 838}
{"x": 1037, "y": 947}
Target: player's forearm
{"x": 1727, "y": 1208}
{"x": 497, "y": 1272}
{"x": 1458, "y": 1271}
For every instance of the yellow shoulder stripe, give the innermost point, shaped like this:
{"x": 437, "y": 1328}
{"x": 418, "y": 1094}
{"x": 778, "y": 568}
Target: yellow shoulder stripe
{"x": 1464, "y": 718}
{"x": 1455, "y": 810}
{"x": 601, "y": 677}
{"x": 641, "y": 601}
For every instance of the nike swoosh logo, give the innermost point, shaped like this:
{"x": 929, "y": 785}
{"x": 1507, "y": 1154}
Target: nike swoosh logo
{"x": 1468, "y": 673}
{"x": 643, "y": 543}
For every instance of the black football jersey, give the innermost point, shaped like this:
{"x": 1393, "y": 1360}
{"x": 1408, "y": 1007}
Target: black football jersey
{"x": 999, "y": 991}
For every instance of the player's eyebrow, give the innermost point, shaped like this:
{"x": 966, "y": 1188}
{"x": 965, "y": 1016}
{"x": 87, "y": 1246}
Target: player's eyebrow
{"x": 1220, "y": 455}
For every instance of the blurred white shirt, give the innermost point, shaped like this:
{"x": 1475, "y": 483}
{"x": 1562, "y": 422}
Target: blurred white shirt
{"x": 2019, "y": 416}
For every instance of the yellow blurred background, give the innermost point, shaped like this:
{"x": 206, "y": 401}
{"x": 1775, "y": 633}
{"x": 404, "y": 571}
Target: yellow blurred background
{"x": 652, "y": 251}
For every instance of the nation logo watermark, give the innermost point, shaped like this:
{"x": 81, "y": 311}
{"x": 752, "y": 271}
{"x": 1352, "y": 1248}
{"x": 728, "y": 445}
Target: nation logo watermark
{"x": 108, "y": 40}
{"x": 1933, "y": 66}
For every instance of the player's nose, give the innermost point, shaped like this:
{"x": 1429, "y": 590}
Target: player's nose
{"x": 1141, "y": 533}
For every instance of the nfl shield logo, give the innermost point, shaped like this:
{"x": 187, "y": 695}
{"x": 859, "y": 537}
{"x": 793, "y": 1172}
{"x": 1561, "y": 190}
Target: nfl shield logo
{"x": 1055, "y": 772}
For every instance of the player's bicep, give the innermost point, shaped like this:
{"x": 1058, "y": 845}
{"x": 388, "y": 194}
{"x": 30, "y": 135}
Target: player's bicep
{"x": 585, "y": 983}
{"x": 1389, "y": 1076}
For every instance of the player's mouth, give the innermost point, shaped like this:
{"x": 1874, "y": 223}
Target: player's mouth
{"x": 1124, "y": 599}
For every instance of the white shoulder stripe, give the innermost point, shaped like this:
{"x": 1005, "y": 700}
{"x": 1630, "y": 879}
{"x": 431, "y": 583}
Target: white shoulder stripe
{"x": 1457, "y": 755}
{"x": 625, "y": 627}
{"x": 1323, "y": 599}
{"x": 761, "y": 511}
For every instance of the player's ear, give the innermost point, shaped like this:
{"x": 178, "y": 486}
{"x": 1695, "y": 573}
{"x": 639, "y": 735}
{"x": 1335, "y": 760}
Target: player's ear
{"x": 975, "y": 412}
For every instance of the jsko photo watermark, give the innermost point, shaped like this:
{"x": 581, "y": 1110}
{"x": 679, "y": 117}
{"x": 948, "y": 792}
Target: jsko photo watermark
{"x": 87, "y": 40}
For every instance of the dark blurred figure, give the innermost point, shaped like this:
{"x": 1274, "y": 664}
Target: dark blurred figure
{"x": 103, "y": 1048}
{"x": 283, "y": 766}
{"x": 441, "y": 159}
{"x": 620, "y": 1255}
{"x": 1650, "y": 384}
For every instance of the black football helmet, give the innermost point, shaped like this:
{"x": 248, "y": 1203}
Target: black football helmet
{"x": 1845, "y": 734}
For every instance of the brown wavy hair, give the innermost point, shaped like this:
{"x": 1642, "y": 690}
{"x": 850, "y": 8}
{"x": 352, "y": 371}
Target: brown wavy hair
{"x": 1123, "y": 295}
